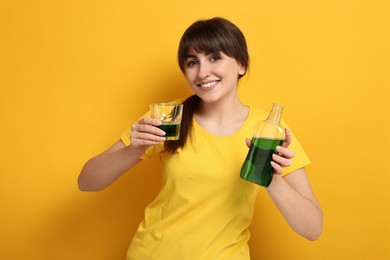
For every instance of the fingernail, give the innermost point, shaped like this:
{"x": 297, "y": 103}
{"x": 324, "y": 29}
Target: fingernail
{"x": 278, "y": 148}
{"x": 274, "y": 156}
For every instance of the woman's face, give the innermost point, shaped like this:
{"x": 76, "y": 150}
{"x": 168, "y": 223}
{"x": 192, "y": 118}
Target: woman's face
{"x": 212, "y": 76}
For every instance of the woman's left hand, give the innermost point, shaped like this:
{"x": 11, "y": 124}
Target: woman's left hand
{"x": 282, "y": 159}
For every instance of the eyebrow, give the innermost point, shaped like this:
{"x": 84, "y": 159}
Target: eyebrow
{"x": 191, "y": 56}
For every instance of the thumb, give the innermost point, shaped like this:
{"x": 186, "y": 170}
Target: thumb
{"x": 248, "y": 142}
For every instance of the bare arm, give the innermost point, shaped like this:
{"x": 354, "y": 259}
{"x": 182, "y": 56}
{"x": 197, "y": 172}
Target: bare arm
{"x": 295, "y": 200}
{"x": 102, "y": 170}
{"x": 293, "y": 195}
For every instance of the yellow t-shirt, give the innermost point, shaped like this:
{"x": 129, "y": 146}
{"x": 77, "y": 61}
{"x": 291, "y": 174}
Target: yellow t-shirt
{"x": 204, "y": 208}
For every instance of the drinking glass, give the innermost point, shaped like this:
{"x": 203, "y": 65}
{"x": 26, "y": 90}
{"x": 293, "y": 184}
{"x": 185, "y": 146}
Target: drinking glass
{"x": 170, "y": 118}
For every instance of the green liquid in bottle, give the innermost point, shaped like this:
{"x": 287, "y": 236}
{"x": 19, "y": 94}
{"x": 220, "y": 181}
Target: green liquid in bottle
{"x": 257, "y": 165}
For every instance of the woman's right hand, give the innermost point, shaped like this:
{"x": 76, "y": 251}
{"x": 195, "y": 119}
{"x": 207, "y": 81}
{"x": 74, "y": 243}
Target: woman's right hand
{"x": 145, "y": 133}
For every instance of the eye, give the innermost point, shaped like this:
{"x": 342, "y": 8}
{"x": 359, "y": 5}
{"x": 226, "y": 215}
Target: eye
{"x": 191, "y": 63}
{"x": 215, "y": 57}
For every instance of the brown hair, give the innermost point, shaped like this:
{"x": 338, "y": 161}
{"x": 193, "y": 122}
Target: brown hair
{"x": 214, "y": 35}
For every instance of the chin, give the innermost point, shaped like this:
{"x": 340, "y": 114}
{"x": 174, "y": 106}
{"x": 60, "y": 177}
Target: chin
{"x": 208, "y": 99}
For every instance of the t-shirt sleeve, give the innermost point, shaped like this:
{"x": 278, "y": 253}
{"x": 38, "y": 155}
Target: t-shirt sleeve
{"x": 151, "y": 151}
{"x": 300, "y": 159}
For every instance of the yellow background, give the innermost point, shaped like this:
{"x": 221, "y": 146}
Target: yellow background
{"x": 74, "y": 74}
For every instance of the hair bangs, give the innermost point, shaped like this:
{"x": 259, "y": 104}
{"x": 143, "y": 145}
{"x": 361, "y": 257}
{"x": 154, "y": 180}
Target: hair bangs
{"x": 213, "y": 36}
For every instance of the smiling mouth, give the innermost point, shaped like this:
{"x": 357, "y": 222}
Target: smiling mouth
{"x": 208, "y": 84}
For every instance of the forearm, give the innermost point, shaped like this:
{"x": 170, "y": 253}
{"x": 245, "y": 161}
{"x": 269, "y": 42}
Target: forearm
{"x": 102, "y": 170}
{"x": 301, "y": 211}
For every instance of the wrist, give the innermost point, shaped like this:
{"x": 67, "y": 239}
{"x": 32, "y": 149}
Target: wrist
{"x": 137, "y": 151}
{"x": 276, "y": 179}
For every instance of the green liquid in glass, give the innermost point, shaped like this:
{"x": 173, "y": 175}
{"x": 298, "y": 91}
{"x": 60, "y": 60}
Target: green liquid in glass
{"x": 257, "y": 165}
{"x": 172, "y": 130}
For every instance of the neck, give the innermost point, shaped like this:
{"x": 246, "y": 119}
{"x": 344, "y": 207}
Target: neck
{"x": 222, "y": 112}
{"x": 220, "y": 118}
{"x": 221, "y": 108}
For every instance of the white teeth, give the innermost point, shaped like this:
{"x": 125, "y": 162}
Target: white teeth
{"x": 209, "y": 84}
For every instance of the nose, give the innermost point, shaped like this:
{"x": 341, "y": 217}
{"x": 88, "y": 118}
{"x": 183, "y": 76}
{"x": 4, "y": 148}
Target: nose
{"x": 204, "y": 70}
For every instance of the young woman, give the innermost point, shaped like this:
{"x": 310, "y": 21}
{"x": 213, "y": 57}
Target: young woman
{"x": 204, "y": 208}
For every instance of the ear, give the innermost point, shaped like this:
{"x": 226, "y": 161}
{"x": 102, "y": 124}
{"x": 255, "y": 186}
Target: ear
{"x": 241, "y": 70}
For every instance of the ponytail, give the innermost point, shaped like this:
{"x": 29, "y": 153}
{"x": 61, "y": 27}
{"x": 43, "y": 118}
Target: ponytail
{"x": 190, "y": 105}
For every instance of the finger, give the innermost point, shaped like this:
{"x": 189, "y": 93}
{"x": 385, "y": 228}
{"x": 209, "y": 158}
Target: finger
{"x": 277, "y": 168}
{"x": 248, "y": 142}
{"x": 143, "y": 127}
{"x": 142, "y": 133}
{"x": 141, "y": 139}
{"x": 140, "y": 142}
{"x": 283, "y": 162}
{"x": 146, "y": 136}
{"x": 285, "y": 152}
{"x": 149, "y": 121}
{"x": 144, "y": 143}
{"x": 287, "y": 140}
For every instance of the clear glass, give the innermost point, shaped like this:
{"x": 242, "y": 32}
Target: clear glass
{"x": 267, "y": 135}
{"x": 170, "y": 117}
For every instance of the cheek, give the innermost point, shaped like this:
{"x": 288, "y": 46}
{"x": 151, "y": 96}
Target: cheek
{"x": 187, "y": 74}
{"x": 228, "y": 69}
{"x": 190, "y": 76}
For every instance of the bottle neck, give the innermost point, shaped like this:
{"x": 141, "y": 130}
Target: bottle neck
{"x": 276, "y": 114}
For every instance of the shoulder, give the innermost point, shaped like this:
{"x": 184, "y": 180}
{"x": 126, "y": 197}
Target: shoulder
{"x": 257, "y": 113}
{"x": 257, "y": 109}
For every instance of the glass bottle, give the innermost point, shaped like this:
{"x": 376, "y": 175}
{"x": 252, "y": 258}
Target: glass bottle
{"x": 267, "y": 135}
